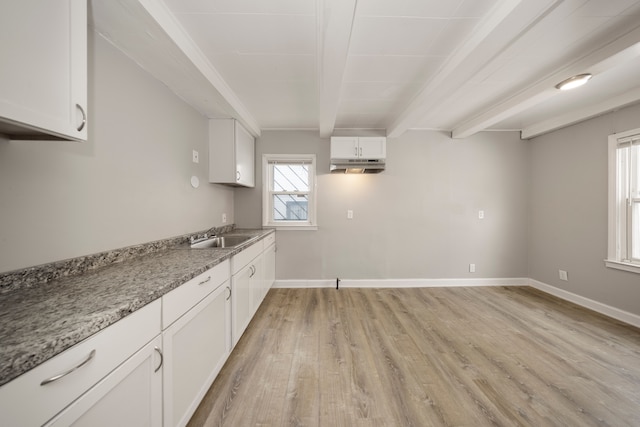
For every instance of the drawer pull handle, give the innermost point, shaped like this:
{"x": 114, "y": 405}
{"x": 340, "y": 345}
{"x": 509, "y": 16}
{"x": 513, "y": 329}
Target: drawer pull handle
{"x": 229, "y": 289}
{"x": 64, "y": 374}
{"x": 204, "y": 281}
{"x": 161, "y": 359}
{"x": 84, "y": 118}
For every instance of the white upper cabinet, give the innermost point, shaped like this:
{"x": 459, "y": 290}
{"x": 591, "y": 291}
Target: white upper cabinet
{"x": 353, "y": 147}
{"x": 231, "y": 153}
{"x": 43, "y": 88}
{"x": 344, "y": 147}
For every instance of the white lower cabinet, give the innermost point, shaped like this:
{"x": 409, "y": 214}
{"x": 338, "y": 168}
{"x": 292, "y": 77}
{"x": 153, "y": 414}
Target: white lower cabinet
{"x": 196, "y": 346}
{"x": 90, "y": 377}
{"x": 242, "y": 282}
{"x": 269, "y": 262}
{"x": 129, "y": 396}
{"x": 251, "y": 270}
{"x": 153, "y": 367}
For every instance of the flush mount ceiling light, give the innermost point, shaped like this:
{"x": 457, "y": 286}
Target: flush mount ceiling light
{"x": 574, "y": 82}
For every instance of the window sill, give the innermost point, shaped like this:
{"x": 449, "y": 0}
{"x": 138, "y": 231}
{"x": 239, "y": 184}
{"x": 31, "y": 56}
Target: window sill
{"x": 292, "y": 227}
{"x": 633, "y": 268}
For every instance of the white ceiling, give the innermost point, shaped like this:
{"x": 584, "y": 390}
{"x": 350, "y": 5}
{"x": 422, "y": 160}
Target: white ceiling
{"x": 457, "y": 65}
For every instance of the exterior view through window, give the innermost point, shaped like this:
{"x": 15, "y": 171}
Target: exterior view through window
{"x": 289, "y": 191}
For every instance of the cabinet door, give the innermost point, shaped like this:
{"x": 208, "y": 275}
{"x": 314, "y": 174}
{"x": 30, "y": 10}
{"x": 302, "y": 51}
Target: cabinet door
{"x": 373, "y": 147}
{"x": 257, "y": 284}
{"x": 245, "y": 147}
{"x": 129, "y": 396}
{"x": 269, "y": 268}
{"x": 43, "y": 46}
{"x": 195, "y": 348}
{"x": 344, "y": 147}
{"x": 242, "y": 300}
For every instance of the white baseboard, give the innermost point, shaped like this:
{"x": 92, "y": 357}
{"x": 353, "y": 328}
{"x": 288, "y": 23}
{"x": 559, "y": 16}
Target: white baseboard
{"x": 607, "y": 310}
{"x": 599, "y": 307}
{"x": 401, "y": 283}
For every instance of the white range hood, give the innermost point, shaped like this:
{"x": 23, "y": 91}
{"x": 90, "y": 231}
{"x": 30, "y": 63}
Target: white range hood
{"x": 353, "y": 154}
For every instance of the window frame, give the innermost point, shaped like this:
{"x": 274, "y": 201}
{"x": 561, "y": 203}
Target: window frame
{"x": 267, "y": 192}
{"x": 619, "y": 210}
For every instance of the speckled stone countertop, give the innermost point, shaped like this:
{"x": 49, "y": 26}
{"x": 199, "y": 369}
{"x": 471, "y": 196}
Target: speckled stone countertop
{"x": 39, "y": 321}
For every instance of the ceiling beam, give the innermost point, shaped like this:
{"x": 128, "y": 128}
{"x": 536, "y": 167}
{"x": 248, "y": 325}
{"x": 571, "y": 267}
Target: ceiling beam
{"x": 334, "y": 26}
{"x": 581, "y": 114}
{"x": 167, "y": 21}
{"x": 149, "y": 34}
{"x": 425, "y": 100}
{"x": 613, "y": 54}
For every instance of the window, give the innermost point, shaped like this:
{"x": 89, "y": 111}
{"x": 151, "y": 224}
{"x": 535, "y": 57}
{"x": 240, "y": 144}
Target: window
{"x": 624, "y": 201}
{"x": 289, "y": 199}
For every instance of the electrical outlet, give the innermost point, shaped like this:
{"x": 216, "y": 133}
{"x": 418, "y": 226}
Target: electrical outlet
{"x": 196, "y": 157}
{"x": 224, "y": 218}
{"x": 480, "y": 214}
{"x": 349, "y": 214}
{"x": 563, "y": 275}
{"x": 472, "y": 268}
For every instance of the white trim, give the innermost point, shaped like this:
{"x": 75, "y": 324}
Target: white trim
{"x": 311, "y": 223}
{"x": 292, "y": 227}
{"x": 612, "y": 210}
{"x": 625, "y": 266}
{"x": 607, "y": 310}
{"x": 401, "y": 283}
{"x": 618, "y": 220}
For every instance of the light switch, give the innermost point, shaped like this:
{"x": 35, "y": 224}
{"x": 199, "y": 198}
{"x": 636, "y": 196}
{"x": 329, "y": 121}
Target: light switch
{"x": 196, "y": 157}
{"x": 349, "y": 214}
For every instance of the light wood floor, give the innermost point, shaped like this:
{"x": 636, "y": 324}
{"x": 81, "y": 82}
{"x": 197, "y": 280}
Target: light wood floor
{"x": 427, "y": 357}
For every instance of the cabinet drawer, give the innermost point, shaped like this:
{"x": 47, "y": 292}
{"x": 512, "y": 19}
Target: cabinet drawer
{"x": 269, "y": 240}
{"x": 240, "y": 260}
{"x": 25, "y": 401}
{"x": 180, "y": 300}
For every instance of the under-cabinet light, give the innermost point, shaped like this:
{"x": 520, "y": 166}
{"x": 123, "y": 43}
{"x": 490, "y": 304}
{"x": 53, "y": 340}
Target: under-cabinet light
{"x": 354, "y": 170}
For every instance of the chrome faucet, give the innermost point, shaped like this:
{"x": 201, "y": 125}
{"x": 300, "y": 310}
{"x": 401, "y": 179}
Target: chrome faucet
{"x": 193, "y": 239}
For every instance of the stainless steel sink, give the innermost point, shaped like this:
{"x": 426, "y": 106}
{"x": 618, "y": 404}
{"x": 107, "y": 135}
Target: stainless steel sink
{"x": 220, "y": 242}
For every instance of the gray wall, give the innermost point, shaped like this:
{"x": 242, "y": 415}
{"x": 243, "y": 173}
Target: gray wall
{"x": 568, "y": 228}
{"x": 128, "y": 184}
{"x": 416, "y": 220}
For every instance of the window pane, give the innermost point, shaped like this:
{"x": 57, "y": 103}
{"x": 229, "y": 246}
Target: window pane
{"x": 294, "y": 177}
{"x": 635, "y": 171}
{"x": 635, "y": 196}
{"x": 635, "y": 232}
{"x": 288, "y": 207}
